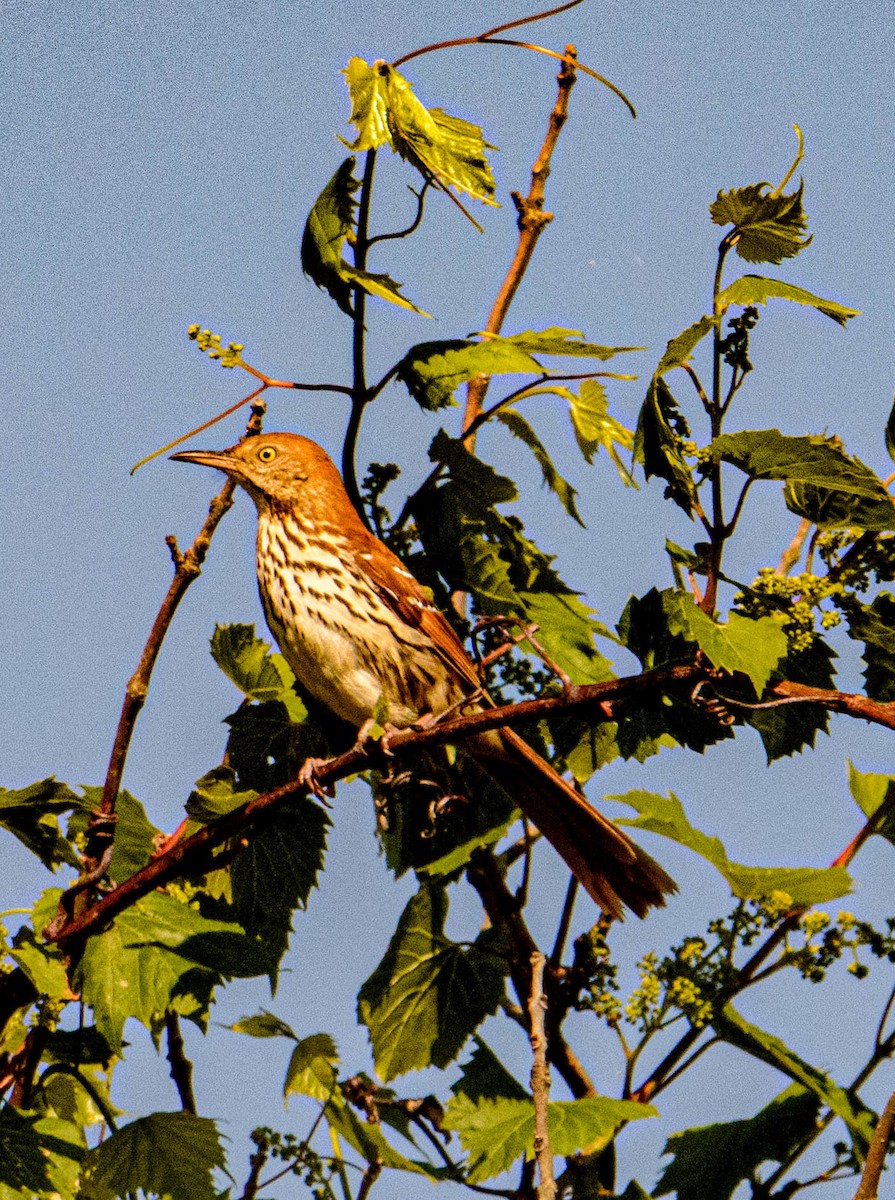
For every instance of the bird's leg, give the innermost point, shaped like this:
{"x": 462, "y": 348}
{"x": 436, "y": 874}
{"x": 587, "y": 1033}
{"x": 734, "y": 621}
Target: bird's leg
{"x": 308, "y": 777}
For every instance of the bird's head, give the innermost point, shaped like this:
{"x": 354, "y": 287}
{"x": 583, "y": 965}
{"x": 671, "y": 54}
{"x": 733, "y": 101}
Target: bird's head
{"x": 282, "y": 468}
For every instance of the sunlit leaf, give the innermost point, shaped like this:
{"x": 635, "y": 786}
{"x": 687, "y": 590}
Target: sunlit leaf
{"x": 870, "y": 792}
{"x": 246, "y": 660}
{"x": 758, "y": 289}
{"x": 432, "y": 371}
{"x": 679, "y": 349}
{"x": 769, "y": 226}
{"x": 522, "y": 429}
{"x": 171, "y": 1154}
{"x": 312, "y": 1068}
{"x": 806, "y": 885}
{"x": 428, "y": 994}
{"x": 753, "y": 647}
{"x": 32, "y": 815}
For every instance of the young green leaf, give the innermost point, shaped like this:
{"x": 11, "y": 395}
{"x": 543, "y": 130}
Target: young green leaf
{"x": 428, "y": 994}
{"x": 556, "y": 340}
{"x": 432, "y": 371}
{"x": 31, "y": 814}
{"x": 758, "y": 289}
{"x": 327, "y": 228}
{"x": 522, "y": 429}
{"x": 485, "y": 1077}
{"x": 312, "y": 1068}
{"x": 40, "y": 1156}
{"x": 134, "y": 833}
{"x": 367, "y": 87}
{"x": 839, "y": 510}
{"x": 263, "y": 1025}
{"x": 216, "y": 793}
{"x": 260, "y": 675}
{"x": 595, "y": 428}
{"x": 768, "y": 226}
{"x": 659, "y": 444}
{"x": 679, "y": 349}
{"x": 858, "y": 1118}
{"x": 874, "y": 625}
{"x": 870, "y": 791}
{"x": 44, "y": 964}
{"x": 753, "y": 648}
{"x": 170, "y": 1154}
{"x": 769, "y": 454}
{"x": 496, "y": 1133}
{"x": 710, "y": 1162}
{"x": 805, "y": 885}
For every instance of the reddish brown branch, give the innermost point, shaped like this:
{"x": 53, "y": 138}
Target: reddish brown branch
{"x": 532, "y": 221}
{"x": 540, "y": 1079}
{"x": 876, "y": 1155}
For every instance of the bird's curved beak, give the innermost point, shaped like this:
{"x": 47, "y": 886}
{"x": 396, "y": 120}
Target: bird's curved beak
{"x": 221, "y": 460}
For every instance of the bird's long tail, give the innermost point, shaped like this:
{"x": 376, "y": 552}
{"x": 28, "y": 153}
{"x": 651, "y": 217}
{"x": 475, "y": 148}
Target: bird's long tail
{"x": 611, "y": 868}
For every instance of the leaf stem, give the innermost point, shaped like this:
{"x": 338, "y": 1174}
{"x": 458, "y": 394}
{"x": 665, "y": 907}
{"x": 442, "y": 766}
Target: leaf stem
{"x": 359, "y": 394}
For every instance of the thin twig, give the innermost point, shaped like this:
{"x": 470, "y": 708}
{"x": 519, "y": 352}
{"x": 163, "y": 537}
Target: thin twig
{"x": 359, "y": 394}
{"x": 369, "y": 1177}
{"x": 790, "y": 555}
{"x": 532, "y": 221}
{"x": 565, "y": 922}
{"x": 540, "y": 1079}
{"x": 181, "y": 1067}
{"x": 876, "y": 1155}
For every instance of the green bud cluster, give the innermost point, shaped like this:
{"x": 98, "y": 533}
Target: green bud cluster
{"x": 800, "y": 597}
{"x": 210, "y": 343}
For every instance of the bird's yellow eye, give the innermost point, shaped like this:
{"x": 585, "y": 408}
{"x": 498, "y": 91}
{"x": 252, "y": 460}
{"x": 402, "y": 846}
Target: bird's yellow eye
{"x": 267, "y": 454}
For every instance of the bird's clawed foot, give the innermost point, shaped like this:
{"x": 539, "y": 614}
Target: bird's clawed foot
{"x": 308, "y": 777}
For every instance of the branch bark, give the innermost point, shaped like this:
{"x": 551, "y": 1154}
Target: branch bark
{"x": 540, "y": 1079}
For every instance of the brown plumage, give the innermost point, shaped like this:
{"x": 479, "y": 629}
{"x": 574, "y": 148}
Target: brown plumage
{"x": 356, "y": 627}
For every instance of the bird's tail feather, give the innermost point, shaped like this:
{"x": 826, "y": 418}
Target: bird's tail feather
{"x": 611, "y": 867}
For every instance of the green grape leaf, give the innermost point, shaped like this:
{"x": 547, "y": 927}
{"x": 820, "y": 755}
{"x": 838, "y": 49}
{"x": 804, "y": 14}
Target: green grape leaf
{"x": 858, "y": 1118}
{"x": 751, "y": 647}
{"x": 874, "y": 625}
{"x": 428, "y": 994}
{"x": 497, "y": 1133}
{"x": 839, "y": 510}
{"x": 480, "y": 479}
{"x": 327, "y": 228}
{"x": 769, "y": 226}
{"x": 215, "y": 794}
{"x": 566, "y": 628}
{"x": 277, "y": 871}
{"x": 140, "y": 965}
{"x": 870, "y": 792}
{"x": 432, "y": 371}
{"x": 171, "y": 1154}
{"x": 312, "y": 1068}
{"x": 790, "y": 728}
{"x": 567, "y": 342}
{"x": 485, "y": 1077}
{"x": 246, "y": 660}
{"x": 710, "y": 1162}
{"x": 263, "y": 1025}
{"x": 43, "y": 963}
{"x": 769, "y": 454}
{"x": 658, "y": 444}
{"x": 32, "y": 815}
{"x": 804, "y": 885}
{"x": 368, "y": 1139}
{"x": 679, "y": 349}
{"x": 595, "y": 428}
{"x": 367, "y": 87}
{"x": 522, "y": 429}
{"x": 39, "y": 1156}
{"x": 758, "y": 289}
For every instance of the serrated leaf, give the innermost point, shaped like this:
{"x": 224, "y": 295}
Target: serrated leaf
{"x": 216, "y": 793}
{"x": 165, "y": 1154}
{"x": 758, "y": 289}
{"x": 428, "y": 994}
{"x": 566, "y": 342}
{"x": 485, "y": 1077}
{"x": 874, "y": 625}
{"x": 327, "y": 228}
{"x": 789, "y": 729}
{"x": 263, "y": 1025}
{"x": 32, "y": 815}
{"x": 769, "y": 226}
{"x": 246, "y": 660}
{"x": 368, "y": 1139}
{"x": 710, "y": 1162}
{"x": 594, "y": 427}
{"x": 870, "y": 792}
{"x": 139, "y": 965}
{"x": 751, "y": 647}
{"x": 39, "y": 1156}
{"x": 312, "y": 1068}
{"x": 658, "y": 444}
{"x": 43, "y": 963}
{"x": 839, "y": 510}
{"x": 432, "y": 371}
{"x": 679, "y": 349}
{"x": 522, "y": 429}
{"x": 369, "y": 104}
{"x": 277, "y": 871}
{"x": 769, "y": 454}
{"x": 858, "y": 1118}
{"x": 566, "y": 629}
{"x": 497, "y": 1133}
{"x": 806, "y": 885}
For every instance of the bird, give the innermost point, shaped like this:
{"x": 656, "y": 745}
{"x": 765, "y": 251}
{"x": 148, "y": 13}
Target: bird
{"x": 358, "y": 629}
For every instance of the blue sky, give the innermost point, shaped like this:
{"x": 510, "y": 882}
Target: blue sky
{"x": 158, "y": 163}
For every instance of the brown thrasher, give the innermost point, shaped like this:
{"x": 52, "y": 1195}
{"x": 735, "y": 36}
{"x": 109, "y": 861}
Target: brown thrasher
{"x": 357, "y": 628}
